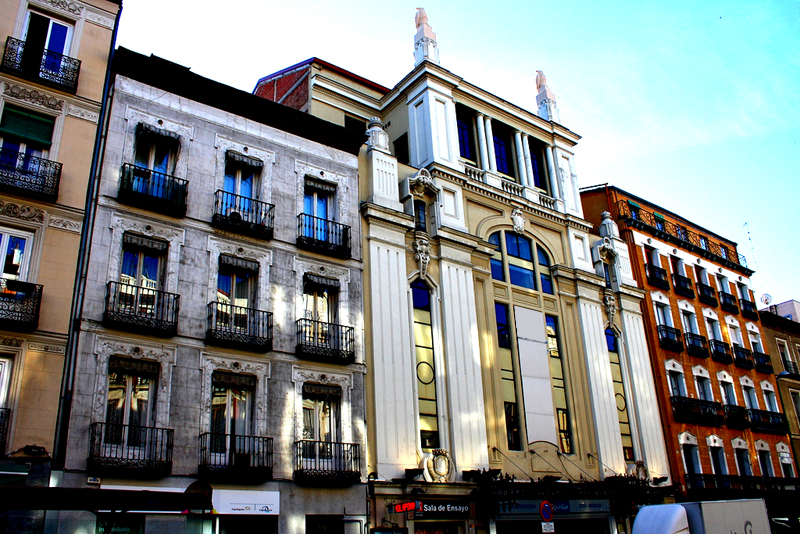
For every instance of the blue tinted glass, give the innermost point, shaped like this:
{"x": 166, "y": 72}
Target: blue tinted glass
{"x": 463, "y": 139}
{"x": 521, "y": 277}
{"x": 500, "y": 155}
{"x": 550, "y": 321}
{"x": 420, "y": 296}
{"x": 497, "y": 270}
{"x": 547, "y": 283}
{"x": 611, "y": 340}
{"x": 512, "y": 245}
{"x": 494, "y": 239}
{"x": 543, "y": 259}
{"x": 503, "y": 336}
{"x": 518, "y": 246}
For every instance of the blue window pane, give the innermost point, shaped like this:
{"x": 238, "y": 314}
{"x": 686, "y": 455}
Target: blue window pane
{"x": 420, "y": 295}
{"x": 501, "y": 155}
{"x": 547, "y": 283}
{"x": 497, "y": 270}
{"x": 521, "y": 277}
{"x": 463, "y": 139}
{"x": 518, "y": 246}
{"x": 494, "y": 239}
{"x": 512, "y": 245}
{"x": 543, "y": 259}
{"x": 503, "y": 335}
{"x": 611, "y": 340}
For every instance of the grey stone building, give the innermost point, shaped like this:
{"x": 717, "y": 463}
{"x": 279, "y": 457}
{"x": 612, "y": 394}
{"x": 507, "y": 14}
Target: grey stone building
{"x": 221, "y": 332}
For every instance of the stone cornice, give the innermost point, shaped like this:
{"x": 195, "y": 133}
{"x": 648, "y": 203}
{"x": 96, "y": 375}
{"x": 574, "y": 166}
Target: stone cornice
{"x": 345, "y": 99}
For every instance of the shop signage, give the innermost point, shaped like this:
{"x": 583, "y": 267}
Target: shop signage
{"x": 411, "y": 506}
{"x": 443, "y": 510}
{"x": 575, "y": 507}
{"x": 246, "y": 502}
{"x": 548, "y": 527}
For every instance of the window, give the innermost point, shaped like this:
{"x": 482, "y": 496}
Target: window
{"x": 785, "y": 457}
{"x": 691, "y": 459}
{"x": 681, "y": 233}
{"x": 658, "y": 220}
{"x": 718, "y": 461}
{"x": 401, "y": 150}
{"x": 17, "y": 246}
{"x": 769, "y": 401}
{"x": 508, "y": 378}
{"x": 426, "y": 366}
{"x": 704, "y": 388}
{"x": 498, "y": 273}
{"x": 539, "y": 164}
{"x": 240, "y": 187}
{"x": 620, "y": 396}
{"x": 723, "y": 251}
{"x": 722, "y": 282}
{"x": 6, "y": 364}
{"x": 324, "y": 524}
{"x": 45, "y": 34}
{"x": 466, "y": 139}
{"x": 317, "y": 208}
{"x": 231, "y": 412}
{"x": 154, "y": 163}
{"x": 783, "y": 350}
{"x": 26, "y": 137}
{"x": 132, "y": 385}
{"x": 519, "y": 254}
{"x": 755, "y": 342}
{"x": 320, "y": 298}
{"x": 765, "y": 462}
{"x": 728, "y": 393}
{"x": 634, "y": 211}
{"x": 321, "y": 416}
{"x": 544, "y": 271}
{"x": 750, "y": 399}
{"x": 795, "y": 395}
{"x": 559, "y": 385}
{"x": 237, "y": 282}
{"x": 663, "y": 315}
{"x": 736, "y": 335}
{"x": 689, "y": 322}
{"x": 703, "y": 242}
{"x": 702, "y": 275}
{"x": 355, "y": 124}
{"x": 141, "y": 275}
{"x": 420, "y": 215}
{"x": 502, "y": 154}
{"x": 677, "y": 387}
{"x": 744, "y": 291}
{"x": 714, "y": 330}
{"x": 743, "y": 462}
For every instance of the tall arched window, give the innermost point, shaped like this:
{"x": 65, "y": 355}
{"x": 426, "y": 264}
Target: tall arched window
{"x": 426, "y": 366}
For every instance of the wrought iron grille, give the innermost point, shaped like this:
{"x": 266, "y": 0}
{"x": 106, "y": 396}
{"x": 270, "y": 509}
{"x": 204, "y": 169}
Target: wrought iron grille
{"x": 790, "y": 367}
{"x": 243, "y": 215}
{"x": 707, "y": 294}
{"x": 151, "y": 190}
{"x": 771, "y": 422}
{"x": 670, "y": 338}
{"x": 763, "y": 362}
{"x": 135, "y": 308}
{"x": 728, "y": 302}
{"x": 697, "y": 411}
{"x": 327, "y": 463}
{"x": 326, "y": 342}
{"x": 683, "y": 285}
{"x": 29, "y": 176}
{"x": 749, "y": 309}
{"x": 5, "y": 419}
{"x": 696, "y": 345}
{"x": 44, "y": 66}
{"x": 20, "y": 303}
{"x": 736, "y": 417}
{"x": 720, "y": 351}
{"x": 235, "y": 326}
{"x": 742, "y": 357}
{"x": 323, "y": 236}
{"x": 657, "y": 276}
{"x": 128, "y": 450}
{"x": 239, "y": 458}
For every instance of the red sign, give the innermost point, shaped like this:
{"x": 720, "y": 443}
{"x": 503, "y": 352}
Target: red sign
{"x": 405, "y": 507}
{"x": 546, "y": 511}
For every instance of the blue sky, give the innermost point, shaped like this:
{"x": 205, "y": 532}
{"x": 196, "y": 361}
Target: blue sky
{"x": 692, "y": 105}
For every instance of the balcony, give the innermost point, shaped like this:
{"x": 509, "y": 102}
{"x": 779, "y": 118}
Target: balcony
{"x": 728, "y": 302}
{"x": 153, "y": 191}
{"x": 326, "y": 463}
{"x": 682, "y": 285}
{"x": 696, "y": 345}
{"x": 129, "y": 451}
{"x": 707, "y": 294}
{"x": 238, "y": 327}
{"x": 770, "y": 422}
{"x": 696, "y": 411}
{"x": 763, "y": 362}
{"x": 790, "y": 367}
{"x": 42, "y": 66}
{"x": 243, "y": 215}
{"x": 235, "y": 459}
{"x": 141, "y": 309}
{"x": 749, "y": 484}
{"x": 742, "y": 357}
{"x": 325, "y": 342}
{"x": 670, "y": 338}
{"x": 5, "y": 421}
{"x": 29, "y": 176}
{"x": 736, "y": 417}
{"x": 323, "y": 236}
{"x": 749, "y": 310}
{"x": 657, "y": 276}
{"x": 20, "y": 303}
{"x": 720, "y": 351}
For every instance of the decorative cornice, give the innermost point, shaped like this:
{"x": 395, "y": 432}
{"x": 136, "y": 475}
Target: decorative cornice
{"x": 70, "y": 7}
{"x": 51, "y": 349}
{"x": 65, "y": 224}
{"x": 82, "y": 113}
{"x": 21, "y": 211}
{"x": 32, "y": 96}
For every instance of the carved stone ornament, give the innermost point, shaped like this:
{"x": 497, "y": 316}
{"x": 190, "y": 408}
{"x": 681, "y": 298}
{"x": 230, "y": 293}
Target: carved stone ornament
{"x": 610, "y": 304}
{"x": 65, "y": 224}
{"x": 69, "y": 7}
{"x": 518, "y": 220}
{"x": 82, "y": 113}
{"x": 437, "y": 466}
{"x": 22, "y": 212}
{"x": 606, "y": 249}
{"x": 377, "y": 136}
{"x": 422, "y": 182}
{"x": 422, "y": 255}
{"x": 100, "y": 20}
{"x": 11, "y": 341}
{"x": 50, "y": 349}
{"x": 33, "y": 96}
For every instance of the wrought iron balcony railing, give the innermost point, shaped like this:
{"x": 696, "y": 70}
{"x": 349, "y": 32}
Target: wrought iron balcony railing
{"x": 707, "y": 294}
{"x": 238, "y": 327}
{"x": 639, "y": 217}
{"x": 40, "y": 65}
{"x": 770, "y": 422}
{"x": 742, "y": 357}
{"x": 141, "y": 309}
{"x": 29, "y": 176}
{"x": 736, "y": 417}
{"x": 682, "y": 285}
{"x": 5, "y": 420}
{"x": 720, "y": 351}
{"x": 749, "y": 310}
{"x": 696, "y": 345}
{"x": 326, "y": 463}
{"x": 670, "y": 338}
{"x": 792, "y": 368}
{"x": 20, "y": 303}
{"x": 152, "y": 190}
{"x": 696, "y": 411}
{"x": 748, "y": 484}
{"x": 728, "y": 302}
{"x": 657, "y": 276}
{"x": 117, "y": 450}
{"x": 763, "y": 362}
{"x": 243, "y": 215}
{"x": 323, "y": 236}
{"x": 325, "y": 342}
{"x": 233, "y": 458}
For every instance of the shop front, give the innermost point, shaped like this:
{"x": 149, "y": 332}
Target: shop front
{"x": 561, "y": 516}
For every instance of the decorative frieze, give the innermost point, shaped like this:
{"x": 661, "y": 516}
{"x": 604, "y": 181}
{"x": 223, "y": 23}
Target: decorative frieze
{"x": 65, "y": 224}
{"x": 100, "y": 20}
{"x": 21, "y": 211}
{"x": 50, "y": 349}
{"x": 33, "y": 96}
{"x": 11, "y": 341}
{"x": 73, "y": 8}
{"x": 82, "y": 113}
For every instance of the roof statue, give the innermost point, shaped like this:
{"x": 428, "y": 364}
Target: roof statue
{"x": 541, "y": 81}
{"x": 420, "y": 17}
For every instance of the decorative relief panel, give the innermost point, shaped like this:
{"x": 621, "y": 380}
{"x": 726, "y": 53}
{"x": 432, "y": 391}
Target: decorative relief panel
{"x": 50, "y": 349}
{"x": 65, "y": 224}
{"x": 32, "y": 96}
{"x": 73, "y": 8}
{"x": 11, "y": 341}
{"x": 21, "y": 211}
{"x": 82, "y": 113}
{"x": 100, "y": 20}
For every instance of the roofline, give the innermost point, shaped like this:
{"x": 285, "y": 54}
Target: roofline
{"x": 344, "y": 72}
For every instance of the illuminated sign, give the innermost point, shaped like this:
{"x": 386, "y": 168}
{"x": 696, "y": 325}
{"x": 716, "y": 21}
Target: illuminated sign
{"x": 410, "y": 506}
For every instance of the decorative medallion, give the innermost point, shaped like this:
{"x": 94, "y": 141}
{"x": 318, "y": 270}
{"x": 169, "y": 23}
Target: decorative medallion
{"x": 639, "y": 470}
{"x": 437, "y": 466}
{"x": 422, "y": 255}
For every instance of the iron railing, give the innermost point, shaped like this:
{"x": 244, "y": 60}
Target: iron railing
{"x": 736, "y": 417}
{"x": 327, "y": 463}
{"x": 682, "y": 285}
{"x": 696, "y": 345}
{"x": 707, "y": 294}
{"x": 5, "y": 421}
{"x": 749, "y": 309}
{"x": 152, "y": 190}
{"x": 720, "y": 351}
{"x": 230, "y": 457}
{"x": 686, "y": 237}
{"x": 29, "y": 176}
{"x": 697, "y": 411}
{"x": 243, "y": 215}
{"x": 670, "y": 338}
{"x": 742, "y": 357}
{"x": 657, "y": 276}
{"x": 235, "y": 326}
{"x": 138, "y": 308}
{"x": 44, "y": 66}
{"x": 323, "y": 236}
{"x": 770, "y": 422}
{"x": 728, "y": 302}
{"x": 325, "y": 342}
{"x": 128, "y": 450}
{"x": 752, "y": 484}
{"x": 763, "y": 362}
{"x": 20, "y": 303}
{"x": 792, "y": 368}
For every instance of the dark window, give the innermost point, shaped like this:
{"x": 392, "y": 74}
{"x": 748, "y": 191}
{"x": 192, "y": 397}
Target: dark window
{"x": 503, "y": 334}
{"x": 502, "y": 154}
{"x": 401, "y": 150}
{"x": 544, "y": 271}
{"x": 539, "y": 164}
{"x": 357, "y": 125}
{"x": 497, "y": 258}
{"x": 466, "y": 140}
{"x": 611, "y": 340}
{"x": 324, "y": 524}
{"x": 420, "y": 215}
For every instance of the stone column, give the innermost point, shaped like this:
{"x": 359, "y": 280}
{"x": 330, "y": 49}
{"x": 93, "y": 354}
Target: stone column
{"x": 551, "y": 169}
{"x": 523, "y": 172}
{"x": 526, "y": 148}
{"x": 484, "y": 163}
{"x": 490, "y": 145}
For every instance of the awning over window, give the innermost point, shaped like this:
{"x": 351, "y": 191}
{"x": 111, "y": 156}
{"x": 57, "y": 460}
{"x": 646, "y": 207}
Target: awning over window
{"x": 320, "y": 186}
{"x": 27, "y": 126}
{"x": 143, "y": 129}
{"x": 141, "y": 241}
{"x": 319, "y": 389}
{"x": 633, "y": 204}
{"x": 133, "y": 367}
{"x": 244, "y": 160}
{"x": 219, "y": 378}
{"x": 238, "y": 263}
{"x": 314, "y": 282}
